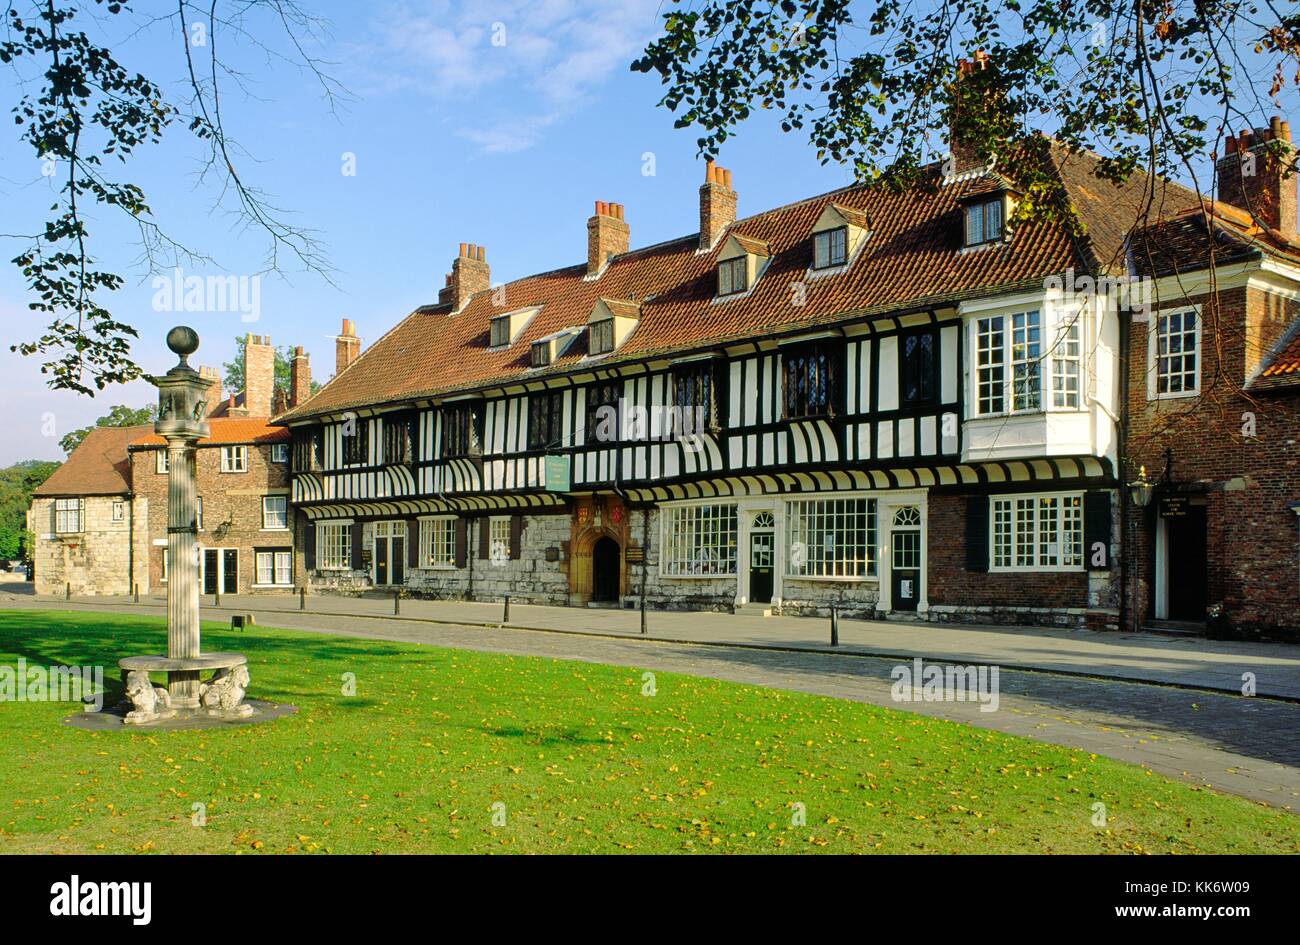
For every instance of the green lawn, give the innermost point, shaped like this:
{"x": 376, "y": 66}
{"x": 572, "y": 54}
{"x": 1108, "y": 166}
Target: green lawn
{"x": 581, "y": 759}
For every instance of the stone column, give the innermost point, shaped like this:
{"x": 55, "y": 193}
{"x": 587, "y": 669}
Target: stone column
{"x": 183, "y": 565}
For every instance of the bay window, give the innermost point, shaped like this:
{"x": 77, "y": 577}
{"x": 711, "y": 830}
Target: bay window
{"x": 68, "y": 516}
{"x": 334, "y": 546}
{"x": 699, "y": 541}
{"x": 438, "y": 543}
{"x": 831, "y": 538}
{"x": 1015, "y": 372}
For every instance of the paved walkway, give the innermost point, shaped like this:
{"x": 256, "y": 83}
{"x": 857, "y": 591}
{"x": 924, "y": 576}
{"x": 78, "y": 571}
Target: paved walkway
{"x": 1229, "y": 743}
{"x": 1179, "y": 661}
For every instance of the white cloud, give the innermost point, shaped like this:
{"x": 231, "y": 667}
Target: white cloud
{"x": 504, "y": 70}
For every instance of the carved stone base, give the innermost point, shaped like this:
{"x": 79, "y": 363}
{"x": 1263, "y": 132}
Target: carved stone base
{"x": 149, "y": 703}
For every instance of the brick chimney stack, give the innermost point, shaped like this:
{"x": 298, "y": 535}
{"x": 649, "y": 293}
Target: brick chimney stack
{"x": 607, "y": 235}
{"x": 299, "y": 378}
{"x": 469, "y": 275}
{"x": 259, "y": 376}
{"x": 1256, "y": 174}
{"x": 965, "y": 157}
{"x": 717, "y": 204}
{"x": 347, "y": 347}
{"x": 213, "y": 393}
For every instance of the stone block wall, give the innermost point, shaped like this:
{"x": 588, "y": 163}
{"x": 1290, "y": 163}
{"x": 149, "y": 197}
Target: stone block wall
{"x": 95, "y": 561}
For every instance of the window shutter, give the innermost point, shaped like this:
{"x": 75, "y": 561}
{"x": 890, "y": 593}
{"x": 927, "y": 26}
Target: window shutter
{"x": 309, "y": 546}
{"x": 516, "y": 536}
{"x": 977, "y": 533}
{"x": 462, "y": 542}
{"x": 413, "y": 542}
{"x": 356, "y": 547}
{"x": 484, "y": 538}
{"x": 1096, "y": 530}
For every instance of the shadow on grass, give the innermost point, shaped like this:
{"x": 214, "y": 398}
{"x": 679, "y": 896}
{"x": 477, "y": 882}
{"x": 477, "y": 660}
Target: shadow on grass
{"x": 532, "y": 736}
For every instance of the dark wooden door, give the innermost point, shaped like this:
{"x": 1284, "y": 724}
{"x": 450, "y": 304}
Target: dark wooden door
{"x": 1185, "y": 541}
{"x": 905, "y": 569}
{"x": 381, "y": 560}
{"x": 397, "y": 566}
{"x": 604, "y": 570}
{"x": 230, "y": 571}
{"x": 762, "y": 561}
{"x": 211, "y": 570}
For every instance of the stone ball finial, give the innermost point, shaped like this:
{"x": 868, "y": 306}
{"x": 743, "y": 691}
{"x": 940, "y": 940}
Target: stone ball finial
{"x": 183, "y": 340}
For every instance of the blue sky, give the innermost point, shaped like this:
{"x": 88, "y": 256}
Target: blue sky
{"x": 455, "y": 139}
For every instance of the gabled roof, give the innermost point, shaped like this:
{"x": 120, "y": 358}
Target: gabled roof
{"x": 751, "y": 245}
{"x": 623, "y": 308}
{"x": 914, "y": 260}
{"x": 98, "y": 466}
{"x": 225, "y": 431}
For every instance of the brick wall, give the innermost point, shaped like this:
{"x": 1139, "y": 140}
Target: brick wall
{"x": 227, "y": 497}
{"x": 1246, "y": 481}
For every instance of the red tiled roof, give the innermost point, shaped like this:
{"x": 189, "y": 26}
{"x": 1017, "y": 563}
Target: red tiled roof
{"x": 914, "y": 259}
{"x": 97, "y": 467}
{"x": 1283, "y": 369}
{"x": 227, "y": 431}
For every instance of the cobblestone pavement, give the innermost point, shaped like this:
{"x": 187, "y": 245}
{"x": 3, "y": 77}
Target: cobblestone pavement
{"x": 1229, "y": 743}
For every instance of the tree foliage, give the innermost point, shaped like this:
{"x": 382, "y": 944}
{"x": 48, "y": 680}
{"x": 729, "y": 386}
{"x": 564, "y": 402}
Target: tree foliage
{"x": 1148, "y": 84}
{"x": 118, "y": 416}
{"x": 83, "y": 111}
{"x": 17, "y": 483}
{"x": 232, "y": 372}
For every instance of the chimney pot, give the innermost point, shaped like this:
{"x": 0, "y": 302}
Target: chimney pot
{"x": 469, "y": 275}
{"x": 1269, "y": 195}
{"x": 299, "y": 377}
{"x": 607, "y": 235}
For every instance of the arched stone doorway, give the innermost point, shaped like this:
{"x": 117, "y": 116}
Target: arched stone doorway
{"x": 606, "y": 565}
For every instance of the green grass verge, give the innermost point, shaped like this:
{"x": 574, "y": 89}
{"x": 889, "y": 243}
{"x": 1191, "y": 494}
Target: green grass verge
{"x": 581, "y": 759}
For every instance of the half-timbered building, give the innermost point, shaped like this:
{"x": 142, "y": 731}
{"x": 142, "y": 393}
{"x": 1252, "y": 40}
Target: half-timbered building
{"x": 893, "y": 402}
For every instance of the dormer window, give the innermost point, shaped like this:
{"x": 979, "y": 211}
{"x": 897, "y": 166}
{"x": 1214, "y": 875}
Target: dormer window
{"x": 741, "y": 262}
{"x": 546, "y": 350}
{"x": 504, "y": 329}
{"x": 839, "y": 233}
{"x": 984, "y": 222}
{"x": 733, "y": 276}
{"x": 610, "y": 323}
{"x": 500, "y": 331}
{"x": 831, "y": 248}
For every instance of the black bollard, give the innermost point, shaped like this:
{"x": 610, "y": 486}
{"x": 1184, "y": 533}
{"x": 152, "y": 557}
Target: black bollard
{"x": 136, "y": 592}
{"x": 397, "y": 603}
{"x": 67, "y": 591}
{"x": 835, "y": 625}
{"x": 302, "y": 597}
{"x": 643, "y": 621}
{"x": 505, "y": 611}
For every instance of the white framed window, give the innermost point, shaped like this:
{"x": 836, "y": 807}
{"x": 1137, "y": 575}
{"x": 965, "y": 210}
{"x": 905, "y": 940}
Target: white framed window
{"x": 1026, "y": 361}
{"x": 438, "y": 543}
{"x": 499, "y": 538}
{"x": 119, "y": 510}
{"x": 601, "y": 336}
{"x": 1036, "y": 532}
{"x": 160, "y": 462}
{"x": 68, "y": 516}
{"x": 234, "y": 459}
{"x": 164, "y": 566}
{"x": 1016, "y": 372}
{"x": 990, "y": 353}
{"x": 1173, "y": 361}
{"x": 334, "y": 546}
{"x": 275, "y": 511}
{"x": 831, "y": 538}
{"x": 279, "y": 452}
{"x": 275, "y": 568}
{"x": 698, "y": 540}
{"x": 198, "y": 512}
{"x": 1067, "y": 364}
{"x": 733, "y": 275}
{"x": 831, "y": 248}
